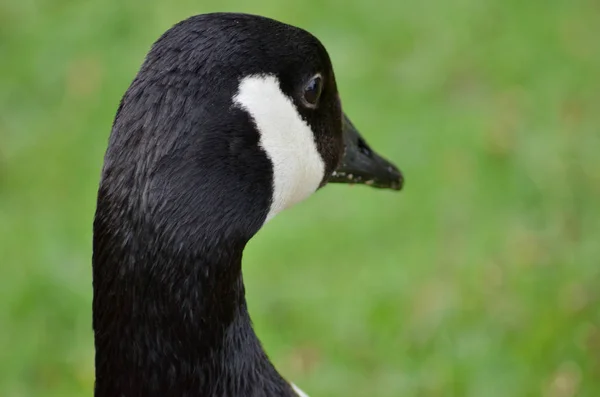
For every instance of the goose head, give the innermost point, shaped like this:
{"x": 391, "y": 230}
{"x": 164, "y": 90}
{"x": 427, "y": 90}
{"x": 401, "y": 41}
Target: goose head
{"x": 230, "y": 120}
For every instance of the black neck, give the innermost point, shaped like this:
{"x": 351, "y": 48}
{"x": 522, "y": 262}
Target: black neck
{"x": 170, "y": 322}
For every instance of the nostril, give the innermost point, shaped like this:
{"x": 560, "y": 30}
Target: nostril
{"x": 364, "y": 148}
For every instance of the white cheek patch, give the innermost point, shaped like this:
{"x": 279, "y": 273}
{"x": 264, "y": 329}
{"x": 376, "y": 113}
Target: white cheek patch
{"x": 288, "y": 141}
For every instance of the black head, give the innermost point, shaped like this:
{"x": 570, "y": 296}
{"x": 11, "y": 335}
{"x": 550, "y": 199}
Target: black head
{"x": 231, "y": 119}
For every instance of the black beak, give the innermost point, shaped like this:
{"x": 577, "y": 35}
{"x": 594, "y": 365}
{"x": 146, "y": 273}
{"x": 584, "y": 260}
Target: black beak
{"x": 362, "y": 165}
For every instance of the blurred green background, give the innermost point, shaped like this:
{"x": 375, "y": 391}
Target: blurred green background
{"x": 482, "y": 278}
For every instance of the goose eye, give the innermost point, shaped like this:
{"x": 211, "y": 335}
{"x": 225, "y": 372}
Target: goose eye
{"x": 312, "y": 91}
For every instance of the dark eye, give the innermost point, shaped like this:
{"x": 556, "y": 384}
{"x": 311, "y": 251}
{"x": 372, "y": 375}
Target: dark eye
{"x": 312, "y": 91}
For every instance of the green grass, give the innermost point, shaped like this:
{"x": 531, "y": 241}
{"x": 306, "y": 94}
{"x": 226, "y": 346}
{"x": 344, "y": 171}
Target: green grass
{"x": 482, "y": 278}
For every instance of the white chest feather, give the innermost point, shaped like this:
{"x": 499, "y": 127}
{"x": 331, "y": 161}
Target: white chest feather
{"x": 287, "y": 139}
{"x": 299, "y": 392}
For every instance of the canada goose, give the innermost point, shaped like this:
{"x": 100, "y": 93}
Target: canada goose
{"x": 231, "y": 119}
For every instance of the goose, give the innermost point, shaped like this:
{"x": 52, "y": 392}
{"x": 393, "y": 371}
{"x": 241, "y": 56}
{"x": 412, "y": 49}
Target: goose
{"x": 231, "y": 119}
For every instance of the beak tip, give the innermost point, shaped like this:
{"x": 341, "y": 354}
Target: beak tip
{"x": 396, "y": 178}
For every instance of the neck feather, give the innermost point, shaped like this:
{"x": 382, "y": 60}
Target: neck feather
{"x": 170, "y": 322}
